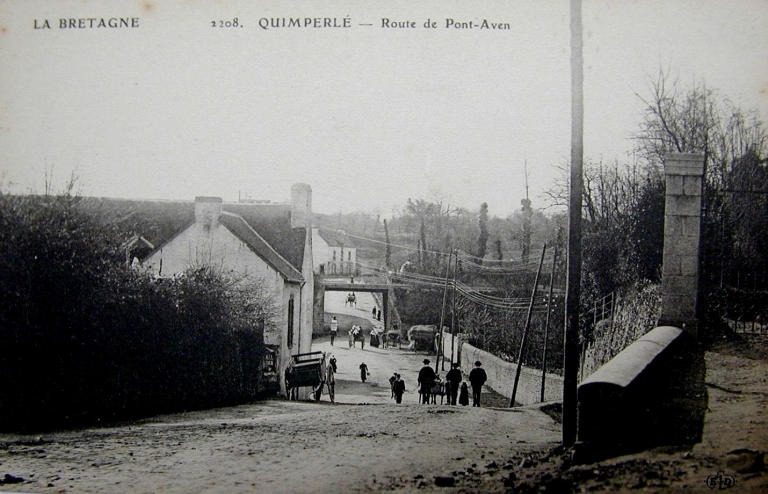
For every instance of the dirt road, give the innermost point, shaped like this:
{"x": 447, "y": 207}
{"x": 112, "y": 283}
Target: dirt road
{"x": 280, "y": 446}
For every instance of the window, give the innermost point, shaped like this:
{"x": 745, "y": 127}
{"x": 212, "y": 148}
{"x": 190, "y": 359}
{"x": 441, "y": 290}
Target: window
{"x": 334, "y": 255}
{"x": 349, "y": 256}
{"x": 290, "y": 322}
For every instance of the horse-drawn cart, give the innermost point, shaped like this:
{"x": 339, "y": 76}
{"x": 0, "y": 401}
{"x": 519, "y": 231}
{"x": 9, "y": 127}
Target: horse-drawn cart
{"x": 305, "y": 369}
{"x": 393, "y": 338}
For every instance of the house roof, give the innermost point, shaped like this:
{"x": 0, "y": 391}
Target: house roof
{"x": 242, "y": 230}
{"x": 160, "y": 221}
{"x": 336, "y": 238}
{"x": 273, "y": 223}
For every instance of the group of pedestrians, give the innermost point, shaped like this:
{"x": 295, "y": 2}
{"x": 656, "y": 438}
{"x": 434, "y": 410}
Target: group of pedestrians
{"x": 455, "y": 389}
{"x": 376, "y": 314}
{"x": 453, "y": 383}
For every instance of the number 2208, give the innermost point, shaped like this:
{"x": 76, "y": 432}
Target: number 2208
{"x": 230, "y": 23}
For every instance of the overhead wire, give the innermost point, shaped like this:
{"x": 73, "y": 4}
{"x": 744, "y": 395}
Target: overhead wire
{"x": 470, "y": 293}
{"x": 390, "y": 243}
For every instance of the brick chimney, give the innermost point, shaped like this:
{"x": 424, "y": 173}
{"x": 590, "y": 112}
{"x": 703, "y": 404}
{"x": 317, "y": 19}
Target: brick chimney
{"x": 207, "y": 211}
{"x": 301, "y": 206}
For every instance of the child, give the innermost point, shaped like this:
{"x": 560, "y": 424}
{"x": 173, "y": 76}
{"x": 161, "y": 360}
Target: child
{"x": 464, "y": 394}
{"x": 364, "y": 372}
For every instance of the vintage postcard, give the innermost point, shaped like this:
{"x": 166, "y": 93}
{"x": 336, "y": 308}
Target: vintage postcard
{"x": 266, "y": 246}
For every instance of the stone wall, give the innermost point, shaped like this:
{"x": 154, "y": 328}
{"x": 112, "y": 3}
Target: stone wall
{"x": 501, "y": 374}
{"x": 649, "y": 395}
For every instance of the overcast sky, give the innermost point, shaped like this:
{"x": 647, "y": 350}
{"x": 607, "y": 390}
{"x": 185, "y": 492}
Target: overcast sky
{"x": 367, "y": 116}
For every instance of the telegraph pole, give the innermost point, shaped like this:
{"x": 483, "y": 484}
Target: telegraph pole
{"x": 525, "y": 329}
{"x": 571, "y": 337}
{"x": 442, "y": 315}
{"x": 546, "y": 321}
{"x": 453, "y": 312}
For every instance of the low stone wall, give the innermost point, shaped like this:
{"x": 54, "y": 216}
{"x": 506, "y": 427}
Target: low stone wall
{"x": 647, "y": 395}
{"x": 501, "y": 374}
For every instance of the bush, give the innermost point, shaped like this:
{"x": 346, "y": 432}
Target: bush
{"x": 87, "y": 339}
{"x": 637, "y": 312}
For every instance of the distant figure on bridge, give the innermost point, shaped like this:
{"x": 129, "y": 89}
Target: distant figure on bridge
{"x": 373, "y": 313}
{"x": 477, "y": 378}
{"x": 334, "y": 328}
{"x": 378, "y": 315}
{"x": 426, "y": 380}
{"x": 364, "y": 372}
{"x": 453, "y": 379}
{"x": 398, "y": 389}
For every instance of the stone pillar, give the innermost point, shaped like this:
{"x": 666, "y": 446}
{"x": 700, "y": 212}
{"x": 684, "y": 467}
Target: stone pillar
{"x": 682, "y": 228}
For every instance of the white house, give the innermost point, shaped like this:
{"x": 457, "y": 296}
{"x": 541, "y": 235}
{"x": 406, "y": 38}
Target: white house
{"x": 334, "y": 253}
{"x": 269, "y": 242}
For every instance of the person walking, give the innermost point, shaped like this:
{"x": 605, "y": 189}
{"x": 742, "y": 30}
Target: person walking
{"x": 398, "y": 388}
{"x": 351, "y": 334}
{"x": 333, "y": 364}
{"x": 330, "y": 379}
{"x": 477, "y": 378}
{"x": 426, "y": 380}
{"x": 364, "y": 372}
{"x": 334, "y": 328}
{"x": 392, "y": 380}
{"x": 464, "y": 396}
{"x": 453, "y": 379}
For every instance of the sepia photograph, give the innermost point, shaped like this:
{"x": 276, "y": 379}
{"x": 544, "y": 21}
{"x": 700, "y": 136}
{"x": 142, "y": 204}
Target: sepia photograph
{"x": 511, "y": 246}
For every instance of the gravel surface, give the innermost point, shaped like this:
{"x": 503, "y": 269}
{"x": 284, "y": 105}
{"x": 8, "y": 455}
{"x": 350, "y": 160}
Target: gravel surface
{"x": 364, "y": 442}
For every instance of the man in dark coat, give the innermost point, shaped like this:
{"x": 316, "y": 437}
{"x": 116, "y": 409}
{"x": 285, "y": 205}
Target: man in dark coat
{"x": 426, "y": 380}
{"x": 364, "y": 372}
{"x": 477, "y": 378}
{"x": 398, "y": 388}
{"x": 453, "y": 379}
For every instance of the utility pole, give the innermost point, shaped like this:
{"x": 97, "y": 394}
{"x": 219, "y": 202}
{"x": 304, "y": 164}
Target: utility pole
{"x": 527, "y": 214}
{"x": 453, "y": 312}
{"x": 546, "y": 321}
{"x": 442, "y": 314}
{"x": 571, "y": 337}
{"x": 525, "y": 329}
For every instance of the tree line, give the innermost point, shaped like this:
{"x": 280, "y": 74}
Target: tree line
{"x": 86, "y": 338}
{"x": 623, "y": 224}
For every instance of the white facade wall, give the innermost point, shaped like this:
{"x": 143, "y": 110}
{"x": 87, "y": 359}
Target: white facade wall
{"x": 219, "y": 247}
{"x": 341, "y": 260}
{"x": 321, "y": 251}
